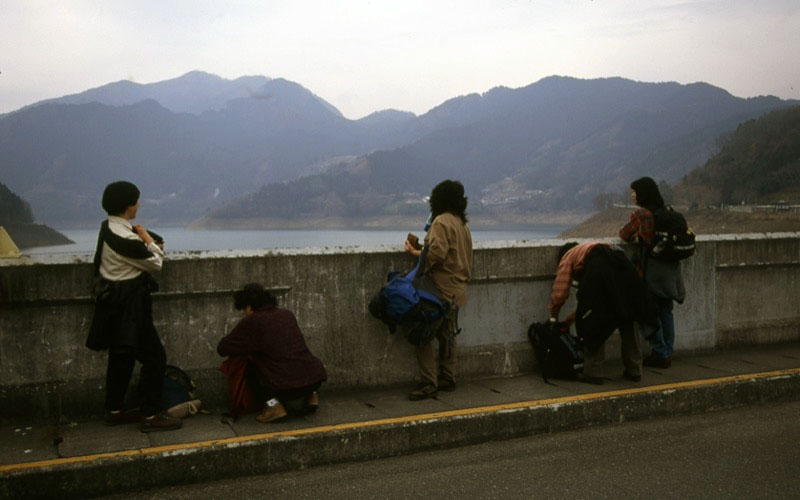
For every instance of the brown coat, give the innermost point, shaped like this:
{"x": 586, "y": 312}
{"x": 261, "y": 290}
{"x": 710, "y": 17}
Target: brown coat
{"x": 271, "y": 339}
{"x": 449, "y": 245}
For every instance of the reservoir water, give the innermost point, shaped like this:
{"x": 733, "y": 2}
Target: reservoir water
{"x": 182, "y": 239}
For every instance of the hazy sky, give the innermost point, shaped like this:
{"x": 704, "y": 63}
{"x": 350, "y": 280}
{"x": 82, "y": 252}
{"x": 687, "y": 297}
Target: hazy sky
{"x": 363, "y": 56}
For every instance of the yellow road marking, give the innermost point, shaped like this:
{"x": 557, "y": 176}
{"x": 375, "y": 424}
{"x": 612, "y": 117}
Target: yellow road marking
{"x": 200, "y": 445}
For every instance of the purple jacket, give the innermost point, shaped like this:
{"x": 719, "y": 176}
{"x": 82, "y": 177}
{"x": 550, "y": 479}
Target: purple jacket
{"x": 271, "y": 339}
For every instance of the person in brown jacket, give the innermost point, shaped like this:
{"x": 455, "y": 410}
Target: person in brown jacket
{"x": 269, "y": 347}
{"x": 449, "y": 259}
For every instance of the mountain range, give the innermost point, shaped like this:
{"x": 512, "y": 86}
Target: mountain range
{"x": 257, "y": 147}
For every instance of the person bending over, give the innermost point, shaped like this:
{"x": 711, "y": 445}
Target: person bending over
{"x": 610, "y": 297}
{"x": 269, "y": 367}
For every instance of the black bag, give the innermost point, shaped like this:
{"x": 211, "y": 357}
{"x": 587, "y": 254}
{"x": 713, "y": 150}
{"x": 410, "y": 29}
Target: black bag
{"x": 673, "y": 239}
{"x": 558, "y": 352}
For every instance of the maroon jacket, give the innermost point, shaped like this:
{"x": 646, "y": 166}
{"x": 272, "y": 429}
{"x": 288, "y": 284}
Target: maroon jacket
{"x": 271, "y": 339}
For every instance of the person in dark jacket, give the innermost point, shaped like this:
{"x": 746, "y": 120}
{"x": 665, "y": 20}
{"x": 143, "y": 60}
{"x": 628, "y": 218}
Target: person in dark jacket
{"x": 269, "y": 347}
{"x": 663, "y": 278}
{"x": 126, "y": 254}
{"x": 610, "y": 297}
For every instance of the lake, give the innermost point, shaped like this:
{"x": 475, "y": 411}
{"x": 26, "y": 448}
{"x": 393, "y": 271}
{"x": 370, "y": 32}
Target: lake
{"x": 179, "y": 238}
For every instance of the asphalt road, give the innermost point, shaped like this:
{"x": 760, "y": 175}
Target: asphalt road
{"x": 751, "y": 452}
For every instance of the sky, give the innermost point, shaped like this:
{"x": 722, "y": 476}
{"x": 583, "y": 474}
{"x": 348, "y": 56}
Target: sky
{"x": 364, "y": 56}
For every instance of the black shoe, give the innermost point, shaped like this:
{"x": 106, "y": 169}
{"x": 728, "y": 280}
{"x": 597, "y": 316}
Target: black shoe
{"x": 423, "y": 391}
{"x": 447, "y": 385}
{"x": 591, "y": 380}
{"x": 654, "y": 361}
{"x": 122, "y": 417}
{"x": 632, "y": 378}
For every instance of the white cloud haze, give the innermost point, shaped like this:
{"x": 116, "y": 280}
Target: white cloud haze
{"x": 363, "y": 56}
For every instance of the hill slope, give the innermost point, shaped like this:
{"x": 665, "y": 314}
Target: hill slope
{"x": 552, "y": 145}
{"x": 758, "y": 163}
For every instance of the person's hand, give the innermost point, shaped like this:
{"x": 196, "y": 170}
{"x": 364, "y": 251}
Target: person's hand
{"x": 143, "y": 234}
{"x": 409, "y": 249}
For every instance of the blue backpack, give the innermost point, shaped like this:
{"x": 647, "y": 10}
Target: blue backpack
{"x": 411, "y": 302}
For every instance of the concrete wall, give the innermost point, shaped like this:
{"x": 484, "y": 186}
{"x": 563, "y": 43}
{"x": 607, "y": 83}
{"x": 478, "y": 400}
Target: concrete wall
{"x": 741, "y": 290}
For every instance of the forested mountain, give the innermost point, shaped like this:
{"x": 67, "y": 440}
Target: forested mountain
{"x": 60, "y": 156}
{"x": 758, "y": 163}
{"x": 16, "y": 218}
{"x": 13, "y": 209}
{"x": 201, "y": 142}
{"x": 552, "y": 145}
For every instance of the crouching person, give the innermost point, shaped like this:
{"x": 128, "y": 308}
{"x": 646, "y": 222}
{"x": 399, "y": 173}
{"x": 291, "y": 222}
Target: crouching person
{"x": 269, "y": 368}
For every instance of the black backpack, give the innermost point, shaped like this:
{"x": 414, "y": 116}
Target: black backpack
{"x": 673, "y": 240}
{"x": 558, "y": 352}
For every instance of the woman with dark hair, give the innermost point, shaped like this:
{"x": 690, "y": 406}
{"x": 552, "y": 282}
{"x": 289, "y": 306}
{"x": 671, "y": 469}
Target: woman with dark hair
{"x": 125, "y": 256}
{"x": 448, "y": 247}
{"x": 663, "y": 278}
{"x": 269, "y": 364}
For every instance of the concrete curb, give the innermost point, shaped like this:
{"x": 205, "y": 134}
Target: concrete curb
{"x": 279, "y": 451}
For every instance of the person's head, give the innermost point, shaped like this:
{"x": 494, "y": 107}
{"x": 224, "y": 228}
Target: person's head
{"x": 448, "y": 196}
{"x": 121, "y": 198}
{"x": 254, "y": 296}
{"x": 645, "y": 193}
{"x": 566, "y": 247}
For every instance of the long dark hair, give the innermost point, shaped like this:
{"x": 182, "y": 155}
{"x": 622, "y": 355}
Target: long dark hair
{"x": 253, "y": 295}
{"x": 448, "y": 196}
{"x": 647, "y": 193}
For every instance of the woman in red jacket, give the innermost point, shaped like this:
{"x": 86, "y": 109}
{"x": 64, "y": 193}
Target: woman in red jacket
{"x": 268, "y": 353}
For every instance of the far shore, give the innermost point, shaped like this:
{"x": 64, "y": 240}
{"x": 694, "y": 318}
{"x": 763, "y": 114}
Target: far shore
{"x": 388, "y": 222}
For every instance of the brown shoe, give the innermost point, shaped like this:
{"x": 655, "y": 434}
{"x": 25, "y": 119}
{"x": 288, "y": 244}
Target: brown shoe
{"x": 312, "y": 402}
{"x": 273, "y": 411}
{"x": 423, "y": 391}
{"x": 160, "y": 422}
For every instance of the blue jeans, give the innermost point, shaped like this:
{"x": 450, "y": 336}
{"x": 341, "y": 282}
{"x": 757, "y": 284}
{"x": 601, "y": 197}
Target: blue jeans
{"x": 663, "y": 339}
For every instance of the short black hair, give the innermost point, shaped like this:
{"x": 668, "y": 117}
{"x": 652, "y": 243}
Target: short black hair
{"x": 566, "y": 247}
{"x": 118, "y": 196}
{"x": 647, "y": 193}
{"x": 253, "y": 295}
{"x": 448, "y": 196}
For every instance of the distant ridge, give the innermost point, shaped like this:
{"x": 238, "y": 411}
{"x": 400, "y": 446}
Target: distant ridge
{"x": 203, "y": 146}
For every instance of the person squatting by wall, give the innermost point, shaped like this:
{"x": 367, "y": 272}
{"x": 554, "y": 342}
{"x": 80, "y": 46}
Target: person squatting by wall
{"x": 270, "y": 367}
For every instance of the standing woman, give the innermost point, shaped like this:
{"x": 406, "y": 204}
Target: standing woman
{"x": 663, "y": 278}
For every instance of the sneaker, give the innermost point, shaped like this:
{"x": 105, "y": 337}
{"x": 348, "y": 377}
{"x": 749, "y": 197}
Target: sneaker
{"x": 423, "y": 391}
{"x": 160, "y": 422}
{"x": 632, "y": 378}
{"x": 312, "y": 402}
{"x": 447, "y": 385}
{"x": 121, "y": 417}
{"x": 272, "y": 411}
{"x": 657, "y": 361}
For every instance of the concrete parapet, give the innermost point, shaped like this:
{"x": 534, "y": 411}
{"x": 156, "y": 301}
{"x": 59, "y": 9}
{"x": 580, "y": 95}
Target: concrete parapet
{"x": 741, "y": 290}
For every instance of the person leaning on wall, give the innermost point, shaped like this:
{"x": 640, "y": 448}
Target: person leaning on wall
{"x": 269, "y": 366}
{"x": 663, "y": 278}
{"x": 125, "y": 256}
{"x": 449, "y": 260}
